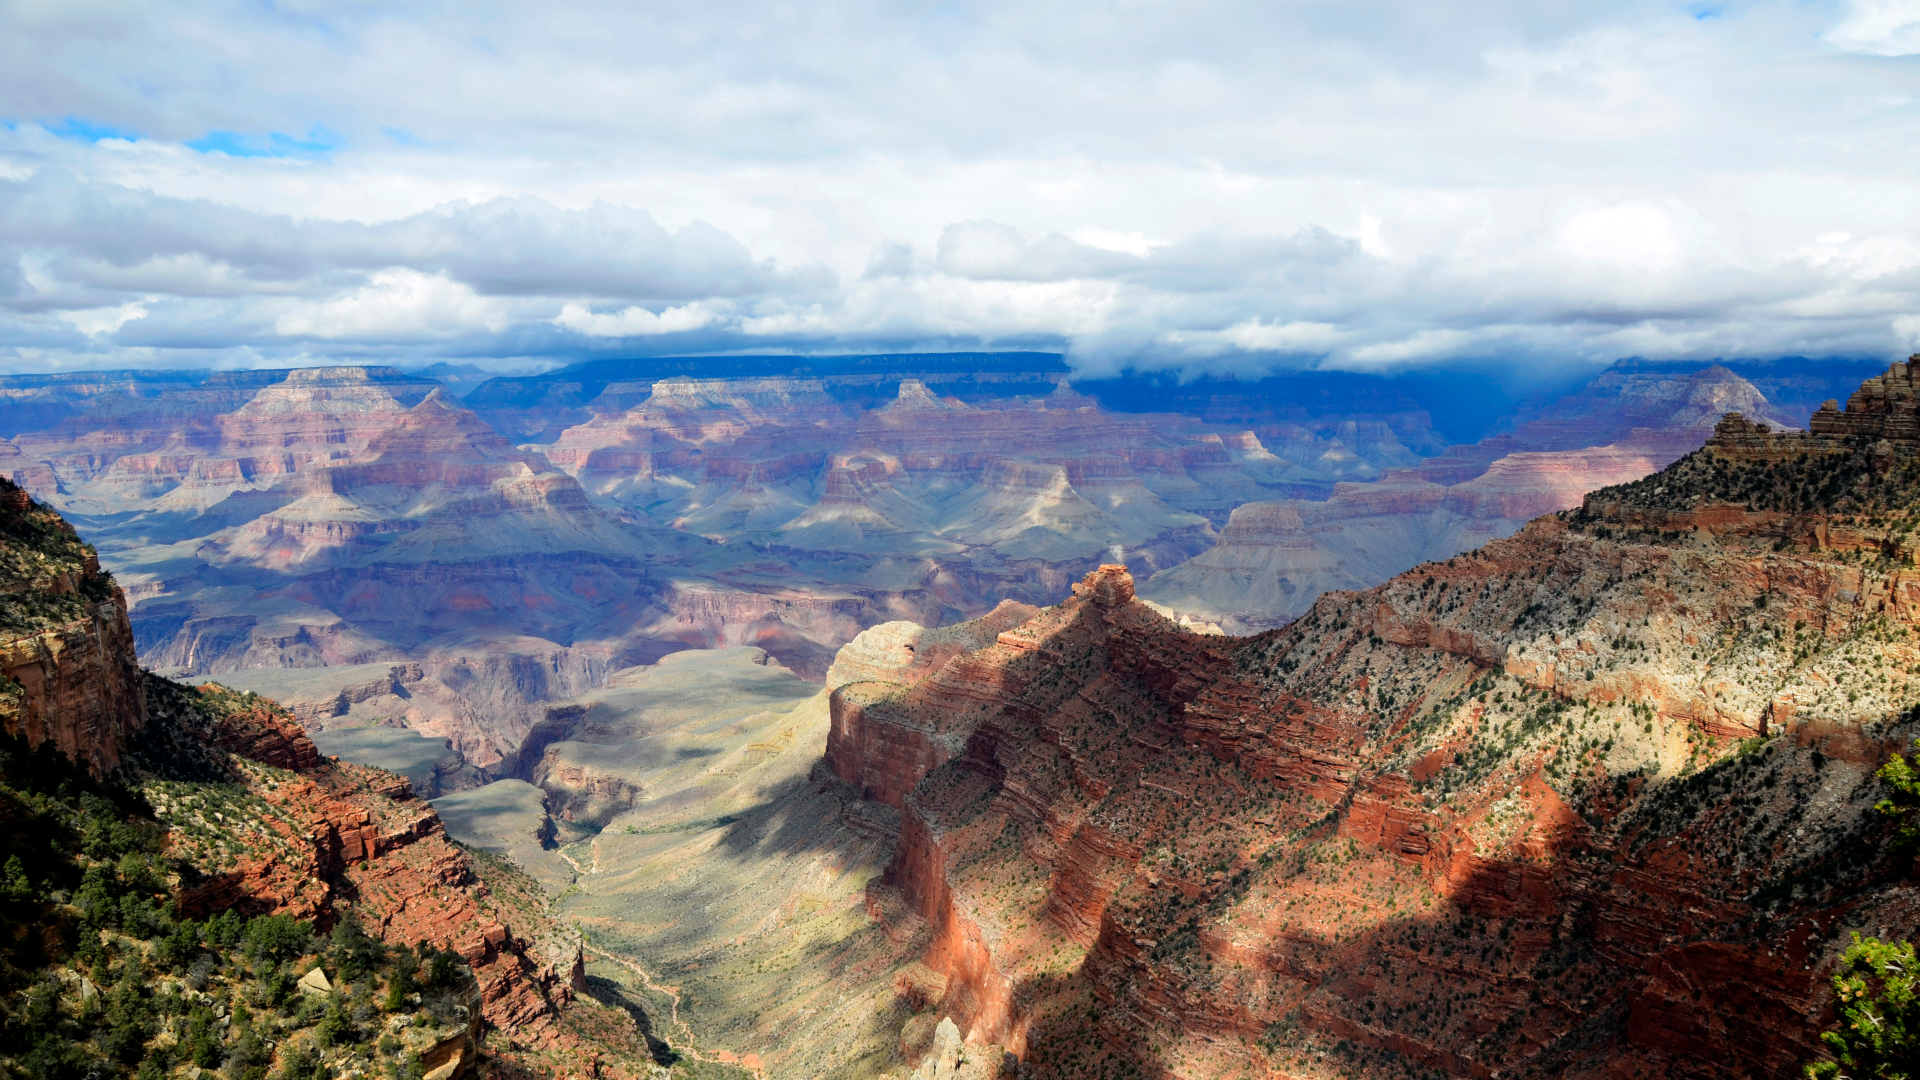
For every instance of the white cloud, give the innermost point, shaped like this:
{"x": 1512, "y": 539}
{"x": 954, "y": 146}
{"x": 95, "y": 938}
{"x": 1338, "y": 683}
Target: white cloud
{"x": 1203, "y": 185}
{"x": 1637, "y": 237}
{"x": 396, "y": 305}
{"x": 1879, "y": 28}
{"x": 635, "y": 321}
{"x": 1907, "y": 328}
{"x": 1427, "y": 345}
{"x": 1254, "y": 336}
{"x": 95, "y": 322}
{"x": 1131, "y": 243}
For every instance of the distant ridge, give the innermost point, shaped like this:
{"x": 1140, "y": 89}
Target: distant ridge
{"x": 593, "y": 376}
{"x": 1796, "y": 385}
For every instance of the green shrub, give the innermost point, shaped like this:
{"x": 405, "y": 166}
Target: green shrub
{"x": 277, "y": 937}
{"x": 1879, "y": 1036}
{"x": 334, "y": 1029}
{"x": 354, "y": 952}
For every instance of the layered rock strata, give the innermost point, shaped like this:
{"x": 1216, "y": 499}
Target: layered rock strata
{"x": 1424, "y": 826}
{"x": 267, "y": 524}
{"x": 1595, "y": 799}
{"x": 1185, "y": 809}
{"x": 66, "y": 647}
{"x": 323, "y": 836}
{"x": 257, "y": 821}
{"x": 1275, "y": 558}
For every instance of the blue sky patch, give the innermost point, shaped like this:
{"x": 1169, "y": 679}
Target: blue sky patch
{"x": 272, "y": 145}
{"x": 74, "y": 127}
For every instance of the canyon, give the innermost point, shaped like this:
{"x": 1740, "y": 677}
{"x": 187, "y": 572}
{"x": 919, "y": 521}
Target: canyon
{"x": 255, "y": 822}
{"x": 1274, "y": 558}
{"x": 1596, "y": 797}
{"x": 1593, "y": 799}
{"x": 367, "y": 549}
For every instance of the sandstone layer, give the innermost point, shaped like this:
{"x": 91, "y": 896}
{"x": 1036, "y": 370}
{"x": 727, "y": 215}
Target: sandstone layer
{"x": 1596, "y": 799}
{"x": 269, "y": 526}
{"x": 66, "y": 647}
{"x": 255, "y": 820}
{"x": 293, "y": 833}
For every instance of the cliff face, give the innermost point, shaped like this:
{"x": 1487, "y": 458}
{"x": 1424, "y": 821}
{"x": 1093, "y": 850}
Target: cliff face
{"x": 1594, "y": 800}
{"x": 253, "y": 820}
{"x": 280, "y": 522}
{"x": 321, "y": 838}
{"x": 67, "y": 647}
{"x": 882, "y": 743}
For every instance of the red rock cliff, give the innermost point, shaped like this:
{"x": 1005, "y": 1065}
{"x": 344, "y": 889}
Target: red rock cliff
{"x": 1494, "y": 817}
{"x": 66, "y": 647}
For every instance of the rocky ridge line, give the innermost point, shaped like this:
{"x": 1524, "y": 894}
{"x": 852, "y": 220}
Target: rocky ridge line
{"x": 1595, "y": 800}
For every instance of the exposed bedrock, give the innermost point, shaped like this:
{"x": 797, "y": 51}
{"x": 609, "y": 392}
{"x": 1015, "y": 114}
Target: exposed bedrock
{"x": 348, "y": 835}
{"x": 1274, "y": 558}
{"x": 67, "y": 669}
{"x": 882, "y": 744}
{"x": 344, "y": 517}
{"x": 1272, "y": 844}
{"x": 77, "y": 685}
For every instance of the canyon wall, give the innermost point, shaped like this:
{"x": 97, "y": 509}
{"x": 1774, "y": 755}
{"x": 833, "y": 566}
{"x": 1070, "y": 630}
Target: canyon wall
{"x": 1594, "y": 800}
{"x": 266, "y": 525}
{"x": 1275, "y": 558}
{"x": 77, "y": 685}
{"x": 66, "y": 647}
{"x": 257, "y": 820}
{"x": 325, "y": 840}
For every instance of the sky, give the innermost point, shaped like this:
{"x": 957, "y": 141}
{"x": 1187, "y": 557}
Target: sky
{"x": 1212, "y": 187}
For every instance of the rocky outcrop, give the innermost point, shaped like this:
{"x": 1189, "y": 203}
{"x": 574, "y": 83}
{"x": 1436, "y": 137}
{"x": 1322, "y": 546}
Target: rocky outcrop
{"x": 76, "y": 686}
{"x": 1887, "y": 407}
{"x": 883, "y": 742}
{"x": 260, "y": 732}
{"x": 66, "y": 647}
{"x": 340, "y": 517}
{"x": 1626, "y": 405}
{"x": 1275, "y": 558}
{"x": 336, "y": 837}
{"x": 1420, "y": 827}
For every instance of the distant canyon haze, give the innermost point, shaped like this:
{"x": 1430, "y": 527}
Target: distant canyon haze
{"x": 376, "y": 547}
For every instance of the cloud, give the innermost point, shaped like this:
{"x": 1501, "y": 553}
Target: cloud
{"x": 95, "y": 322}
{"x": 989, "y": 250}
{"x": 1425, "y": 345}
{"x": 395, "y": 305}
{"x": 1254, "y": 336}
{"x": 1633, "y": 236}
{"x": 114, "y": 235}
{"x": 635, "y": 321}
{"x": 1220, "y": 186}
{"x": 1879, "y": 28}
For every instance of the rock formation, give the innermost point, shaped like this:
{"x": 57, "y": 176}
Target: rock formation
{"x": 1273, "y": 559}
{"x": 303, "y": 533}
{"x": 323, "y": 838}
{"x": 280, "y": 522}
{"x": 1623, "y": 405}
{"x": 67, "y": 653}
{"x": 1596, "y": 799}
{"x": 256, "y": 820}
